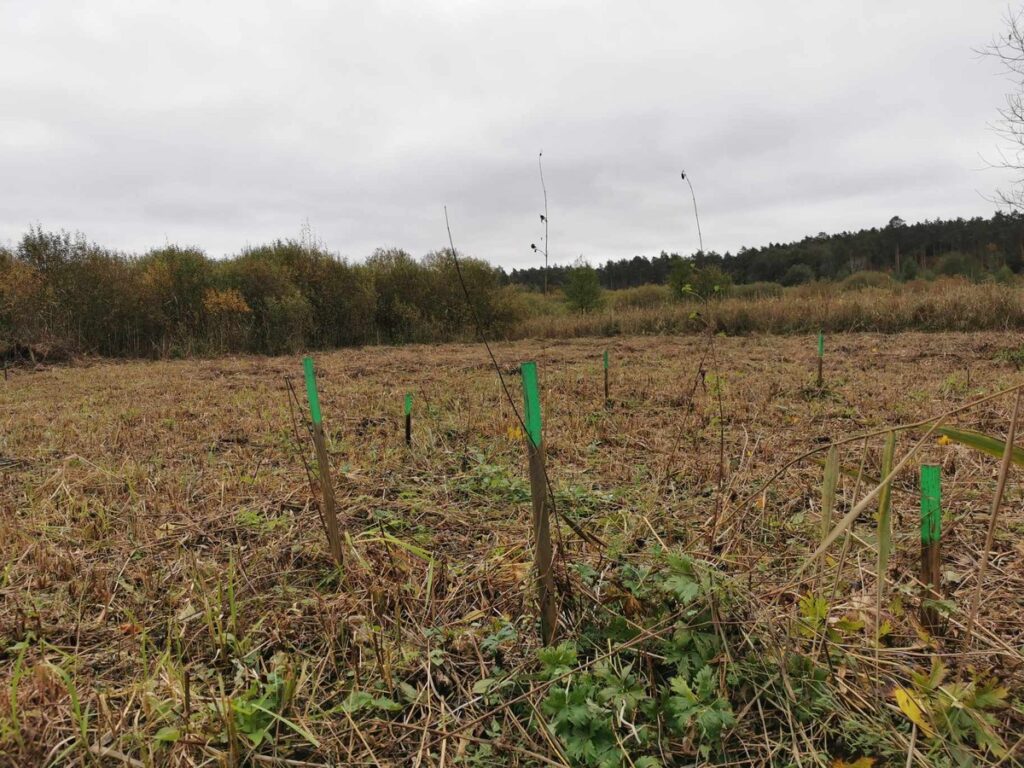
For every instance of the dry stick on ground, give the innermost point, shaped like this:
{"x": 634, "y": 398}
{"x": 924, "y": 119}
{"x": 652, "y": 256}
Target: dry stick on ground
{"x": 719, "y": 498}
{"x": 997, "y": 500}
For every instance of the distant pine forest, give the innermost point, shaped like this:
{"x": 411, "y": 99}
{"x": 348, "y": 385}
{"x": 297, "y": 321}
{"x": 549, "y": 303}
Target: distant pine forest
{"x": 969, "y": 247}
{"x": 62, "y": 295}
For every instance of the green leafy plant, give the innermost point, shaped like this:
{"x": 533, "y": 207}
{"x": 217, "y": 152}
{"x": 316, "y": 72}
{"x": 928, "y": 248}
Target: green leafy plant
{"x": 494, "y": 480}
{"x": 610, "y": 713}
{"x": 956, "y": 714}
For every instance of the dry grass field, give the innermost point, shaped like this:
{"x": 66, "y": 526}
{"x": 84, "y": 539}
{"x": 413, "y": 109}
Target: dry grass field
{"x": 166, "y": 595}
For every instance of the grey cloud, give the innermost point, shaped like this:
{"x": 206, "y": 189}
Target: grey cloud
{"x": 231, "y": 123}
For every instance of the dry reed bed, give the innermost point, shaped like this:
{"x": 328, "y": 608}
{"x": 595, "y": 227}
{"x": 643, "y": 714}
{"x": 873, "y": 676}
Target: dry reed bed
{"x": 162, "y": 560}
{"x": 943, "y": 305}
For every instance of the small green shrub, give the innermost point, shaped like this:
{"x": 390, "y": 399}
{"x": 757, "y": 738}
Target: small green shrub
{"x": 761, "y": 290}
{"x": 866, "y": 279}
{"x": 1004, "y": 275}
{"x": 798, "y": 274}
{"x": 640, "y": 297}
{"x": 583, "y": 290}
{"x": 960, "y": 264}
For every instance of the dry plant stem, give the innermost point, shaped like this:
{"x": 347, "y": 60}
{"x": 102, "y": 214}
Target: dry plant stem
{"x": 720, "y": 496}
{"x": 677, "y": 438}
{"x": 543, "y": 561}
{"x": 997, "y": 500}
{"x": 828, "y": 498}
{"x": 543, "y": 186}
{"x": 884, "y": 531}
{"x": 478, "y": 324}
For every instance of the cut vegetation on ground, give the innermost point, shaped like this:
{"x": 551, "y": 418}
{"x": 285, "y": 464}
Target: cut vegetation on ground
{"x": 168, "y": 597}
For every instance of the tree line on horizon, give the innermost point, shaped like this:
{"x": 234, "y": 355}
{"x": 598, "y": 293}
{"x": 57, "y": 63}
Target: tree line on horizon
{"x": 969, "y": 247}
{"x": 62, "y": 293}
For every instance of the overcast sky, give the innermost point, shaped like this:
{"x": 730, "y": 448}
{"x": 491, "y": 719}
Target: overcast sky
{"x": 230, "y": 123}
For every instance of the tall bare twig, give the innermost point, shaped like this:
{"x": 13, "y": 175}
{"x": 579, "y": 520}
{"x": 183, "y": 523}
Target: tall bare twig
{"x": 997, "y": 500}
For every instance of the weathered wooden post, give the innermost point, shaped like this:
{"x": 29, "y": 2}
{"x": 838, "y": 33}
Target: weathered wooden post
{"x": 542, "y": 558}
{"x": 931, "y": 543}
{"x": 329, "y": 509}
{"x": 408, "y": 418}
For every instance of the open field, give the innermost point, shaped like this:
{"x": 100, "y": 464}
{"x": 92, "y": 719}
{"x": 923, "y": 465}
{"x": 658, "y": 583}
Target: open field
{"x": 166, "y": 596}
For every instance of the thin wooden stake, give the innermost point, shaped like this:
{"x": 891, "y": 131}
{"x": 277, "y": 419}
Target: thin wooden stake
{"x": 997, "y": 500}
{"x": 821, "y": 359}
{"x": 408, "y": 418}
{"x": 330, "y": 508}
{"x": 931, "y": 542}
{"x": 607, "y": 402}
{"x": 542, "y": 559}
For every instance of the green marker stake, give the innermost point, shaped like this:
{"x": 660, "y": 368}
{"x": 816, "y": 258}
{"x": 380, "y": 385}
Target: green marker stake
{"x": 931, "y": 542}
{"x": 311, "y": 393}
{"x": 543, "y": 552}
{"x": 931, "y": 504}
{"x": 531, "y": 402}
{"x": 408, "y": 418}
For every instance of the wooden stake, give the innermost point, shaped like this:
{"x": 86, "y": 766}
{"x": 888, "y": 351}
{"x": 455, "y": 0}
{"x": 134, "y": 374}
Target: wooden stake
{"x": 330, "y": 509}
{"x": 821, "y": 358}
{"x": 931, "y": 543}
{"x": 542, "y": 557}
{"x": 408, "y": 418}
{"x": 607, "y": 402}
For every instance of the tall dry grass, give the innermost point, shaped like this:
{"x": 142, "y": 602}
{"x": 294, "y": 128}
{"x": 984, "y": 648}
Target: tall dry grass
{"x": 946, "y": 304}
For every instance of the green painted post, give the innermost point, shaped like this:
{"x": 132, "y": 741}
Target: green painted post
{"x": 931, "y": 542}
{"x": 931, "y": 504}
{"x": 329, "y": 509}
{"x": 531, "y": 402}
{"x": 311, "y": 392}
{"x": 408, "y": 418}
{"x": 542, "y": 556}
